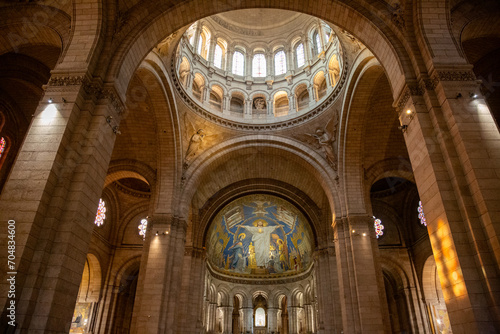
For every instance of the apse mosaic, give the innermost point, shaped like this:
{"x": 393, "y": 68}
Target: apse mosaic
{"x": 260, "y": 235}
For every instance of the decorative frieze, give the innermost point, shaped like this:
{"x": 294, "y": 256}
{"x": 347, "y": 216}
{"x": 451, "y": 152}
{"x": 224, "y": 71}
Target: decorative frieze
{"x": 456, "y": 75}
{"x": 93, "y": 89}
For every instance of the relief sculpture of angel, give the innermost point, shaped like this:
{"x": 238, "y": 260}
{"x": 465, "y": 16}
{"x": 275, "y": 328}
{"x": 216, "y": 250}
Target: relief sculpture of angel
{"x": 197, "y": 141}
{"x": 323, "y": 140}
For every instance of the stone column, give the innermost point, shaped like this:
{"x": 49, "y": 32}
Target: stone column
{"x": 162, "y": 276}
{"x": 197, "y": 37}
{"x": 308, "y": 51}
{"x": 227, "y": 312}
{"x": 269, "y": 66}
{"x": 270, "y": 104}
{"x": 453, "y": 146}
{"x": 52, "y": 195}
{"x": 229, "y": 61}
{"x": 363, "y": 305}
{"x": 248, "y": 67}
{"x": 293, "y": 319}
{"x": 226, "y": 101}
{"x": 322, "y": 36}
{"x": 247, "y": 319}
{"x": 211, "y": 51}
{"x": 188, "y": 304}
{"x": 272, "y": 320}
{"x": 292, "y": 107}
{"x": 212, "y": 319}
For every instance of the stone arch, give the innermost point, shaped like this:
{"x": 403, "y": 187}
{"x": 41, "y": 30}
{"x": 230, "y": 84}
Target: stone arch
{"x": 364, "y": 79}
{"x": 168, "y": 158}
{"x": 296, "y": 197}
{"x": 49, "y": 26}
{"x": 142, "y": 37}
{"x": 246, "y": 148}
{"x": 90, "y": 287}
{"x": 120, "y": 169}
{"x": 129, "y": 217}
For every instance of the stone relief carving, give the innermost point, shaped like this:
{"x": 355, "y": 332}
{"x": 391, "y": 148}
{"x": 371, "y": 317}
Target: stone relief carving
{"x": 398, "y": 16}
{"x": 323, "y": 140}
{"x": 197, "y": 141}
{"x": 93, "y": 90}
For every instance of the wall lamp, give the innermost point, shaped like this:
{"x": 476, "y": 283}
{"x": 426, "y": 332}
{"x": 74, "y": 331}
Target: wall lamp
{"x": 403, "y": 127}
{"x": 473, "y": 95}
{"x": 459, "y": 95}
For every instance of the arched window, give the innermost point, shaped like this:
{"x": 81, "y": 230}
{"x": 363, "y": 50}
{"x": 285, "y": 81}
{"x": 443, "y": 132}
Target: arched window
{"x": 260, "y": 317}
{"x": 101, "y": 213}
{"x": 238, "y": 63}
{"x": 316, "y": 43}
{"x": 259, "y": 66}
{"x": 218, "y": 56}
{"x": 279, "y": 63}
{"x": 3, "y": 146}
{"x": 299, "y": 53}
{"x": 143, "y": 225}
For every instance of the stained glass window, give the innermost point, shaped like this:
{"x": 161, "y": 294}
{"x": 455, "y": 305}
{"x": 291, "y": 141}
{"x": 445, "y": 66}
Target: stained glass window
{"x": 3, "y": 144}
{"x": 238, "y": 63}
{"x": 299, "y": 51}
{"x": 421, "y": 215}
{"x": 218, "y": 56}
{"x": 143, "y": 227}
{"x": 101, "y": 213}
{"x": 259, "y": 66}
{"x": 279, "y": 63}
{"x": 377, "y": 224}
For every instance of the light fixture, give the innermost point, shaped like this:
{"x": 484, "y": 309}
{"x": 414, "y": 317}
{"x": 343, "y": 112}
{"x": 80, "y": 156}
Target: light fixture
{"x": 156, "y": 233}
{"x": 364, "y": 234}
{"x": 116, "y": 131}
{"x": 353, "y": 231}
{"x": 473, "y": 95}
{"x": 64, "y": 100}
{"x": 459, "y": 95}
{"x": 50, "y": 100}
{"x": 408, "y": 111}
{"x": 403, "y": 127}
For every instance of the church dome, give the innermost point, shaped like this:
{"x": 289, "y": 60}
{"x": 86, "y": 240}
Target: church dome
{"x": 260, "y": 236}
{"x": 260, "y": 67}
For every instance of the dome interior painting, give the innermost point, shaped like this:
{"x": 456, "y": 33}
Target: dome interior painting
{"x": 260, "y": 235}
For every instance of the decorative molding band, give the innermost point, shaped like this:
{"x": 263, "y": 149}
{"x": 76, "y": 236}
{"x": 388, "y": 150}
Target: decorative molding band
{"x": 258, "y": 280}
{"x": 93, "y": 88}
{"x": 238, "y": 30}
{"x": 131, "y": 192}
{"x": 456, "y": 75}
{"x": 259, "y": 127}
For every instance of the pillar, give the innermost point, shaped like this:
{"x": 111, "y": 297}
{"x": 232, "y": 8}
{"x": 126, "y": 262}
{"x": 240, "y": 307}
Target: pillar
{"x": 52, "y": 195}
{"x": 162, "y": 276}
{"x": 272, "y": 319}
{"x": 247, "y": 319}
{"x": 211, "y": 50}
{"x": 229, "y": 61}
{"x": 453, "y": 145}
{"x": 360, "y": 279}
